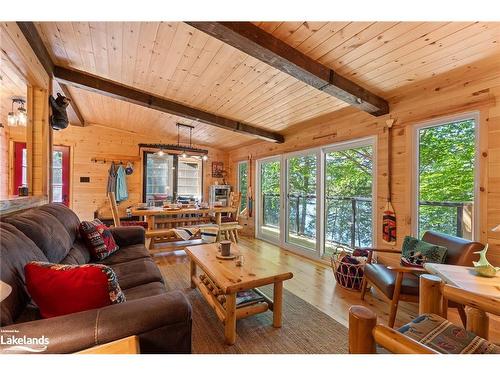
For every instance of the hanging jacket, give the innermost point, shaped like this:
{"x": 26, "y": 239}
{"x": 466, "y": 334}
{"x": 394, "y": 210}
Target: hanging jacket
{"x": 121, "y": 185}
{"x": 111, "y": 179}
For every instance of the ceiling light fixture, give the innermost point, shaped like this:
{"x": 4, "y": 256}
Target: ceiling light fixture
{"x": 19, "y": 117}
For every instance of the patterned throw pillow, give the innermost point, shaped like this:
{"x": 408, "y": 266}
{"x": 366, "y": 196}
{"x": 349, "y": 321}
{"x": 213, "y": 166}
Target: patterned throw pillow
{"x": 416, "y": 252}
{"x": 60, "y": 289}
{"x": 98, "y": 238}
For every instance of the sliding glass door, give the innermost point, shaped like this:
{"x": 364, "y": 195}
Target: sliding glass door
{"x": 348, "y": 196}
{"x": 301, "y": 200}
{"x": 269, "y": 199}
{"x": 313, "y": 201}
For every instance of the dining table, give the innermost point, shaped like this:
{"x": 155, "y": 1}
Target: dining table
{"x": 150, "y": 214}
{"x": 467, "y": 279}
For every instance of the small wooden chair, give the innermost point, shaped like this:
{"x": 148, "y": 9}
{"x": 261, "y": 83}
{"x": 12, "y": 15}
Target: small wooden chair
{"x": 430, "y": 332}
{"x": 154, "y": 235}
{"x": 230, "y": 225}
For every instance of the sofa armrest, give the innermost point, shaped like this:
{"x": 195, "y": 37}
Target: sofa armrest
{"x": 126, "y": 236}
{"x": 162, "y": 323}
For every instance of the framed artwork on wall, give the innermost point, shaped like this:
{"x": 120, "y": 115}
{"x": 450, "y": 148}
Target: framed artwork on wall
{"x": 217, "y": 169}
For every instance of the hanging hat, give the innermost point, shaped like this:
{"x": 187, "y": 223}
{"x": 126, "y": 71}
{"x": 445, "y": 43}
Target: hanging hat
{"x": 129, "y": 169}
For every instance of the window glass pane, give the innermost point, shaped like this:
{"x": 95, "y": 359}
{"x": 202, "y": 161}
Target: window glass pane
{"x": 159, "y": 178}
{"x": 446, "y": 178}
{"x": 348, "y": 198}
{"x": 243, "y": 183}
{"x": 57, "y": 194}
{"x": 25, "y": 168}
{"x": 57, "y": 176}
{"x": 57, "y": 159}
{"x": 301, "y": 201}
{"x": 189, "y": 178}
{"x": 270, "y": 198}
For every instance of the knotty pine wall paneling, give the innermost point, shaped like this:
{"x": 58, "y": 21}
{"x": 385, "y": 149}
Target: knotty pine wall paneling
{"x": 470, "y": 88}
{"x": 95, "y": 141}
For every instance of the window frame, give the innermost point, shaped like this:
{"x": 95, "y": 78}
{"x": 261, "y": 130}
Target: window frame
{"x": 175, "y": 174}
{"x": 320, "y": 152}
{"x": 415, "y": 162}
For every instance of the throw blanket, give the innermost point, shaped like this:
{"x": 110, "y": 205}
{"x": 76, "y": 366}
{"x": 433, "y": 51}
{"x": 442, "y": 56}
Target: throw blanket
{"x": 208, "y": 233}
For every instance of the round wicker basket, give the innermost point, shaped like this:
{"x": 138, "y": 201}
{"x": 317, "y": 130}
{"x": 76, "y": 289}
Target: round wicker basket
{"x": 348, "y": 268}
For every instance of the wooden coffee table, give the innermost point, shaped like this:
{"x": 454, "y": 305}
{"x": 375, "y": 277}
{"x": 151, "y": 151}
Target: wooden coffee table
{"x": 222, "y": 279}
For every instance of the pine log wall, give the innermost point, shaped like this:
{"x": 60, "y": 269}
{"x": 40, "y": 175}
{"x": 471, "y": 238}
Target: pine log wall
{"x": 95, "y": 141}
{"x": 475, "y": 87}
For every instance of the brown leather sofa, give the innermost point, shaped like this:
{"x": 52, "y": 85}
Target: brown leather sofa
{"x": 161, "y": 319}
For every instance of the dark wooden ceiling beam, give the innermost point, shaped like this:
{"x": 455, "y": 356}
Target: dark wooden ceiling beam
{"x": 256, "y": 42}
{"x": 129, "y": 94}
{"x": 36, "y": 43}
{"x": 67, "y": 93}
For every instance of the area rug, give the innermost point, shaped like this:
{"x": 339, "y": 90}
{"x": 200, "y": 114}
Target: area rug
{"x": 305, "y": 330}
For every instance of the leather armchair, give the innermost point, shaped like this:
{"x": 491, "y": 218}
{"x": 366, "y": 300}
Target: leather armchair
{"x": 399, "y": 283}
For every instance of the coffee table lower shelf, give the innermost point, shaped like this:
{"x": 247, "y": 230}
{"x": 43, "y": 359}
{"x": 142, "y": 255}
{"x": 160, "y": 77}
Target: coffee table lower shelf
{"x": 230, "y": 313}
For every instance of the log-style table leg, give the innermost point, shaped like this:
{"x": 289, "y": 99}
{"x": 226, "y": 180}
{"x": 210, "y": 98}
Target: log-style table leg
{"x": 278, "y": 304}
{"x": 192, "y": 273}
{"x": 230, "y": 321}
{"x": 151, "y": 222}
{"x": 477, "y": 321}
{"x": 430, "y": 298}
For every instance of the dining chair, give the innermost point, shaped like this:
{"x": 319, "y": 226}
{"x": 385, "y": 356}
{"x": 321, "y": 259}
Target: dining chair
{"x": 230, "y": 224}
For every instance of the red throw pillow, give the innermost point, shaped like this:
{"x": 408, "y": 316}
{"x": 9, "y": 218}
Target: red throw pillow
{"x": 60, "y": 289}
{"x": 98, "y": 237}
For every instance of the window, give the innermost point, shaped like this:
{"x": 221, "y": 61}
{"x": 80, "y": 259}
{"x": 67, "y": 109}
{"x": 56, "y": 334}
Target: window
{"x": 313, "y": 201}
{"x": 243, "y": 183}
{"x": 20, "y": 176}
{"x": 168, "y": 176}
{"x": 445, "y": 177}
{"x": 348, "y": 197}
{"x": 60, "y": 174}
{"x": 189, "y": 178}
{"x": 269, "y": 199}
{"x": 301, "y": 200}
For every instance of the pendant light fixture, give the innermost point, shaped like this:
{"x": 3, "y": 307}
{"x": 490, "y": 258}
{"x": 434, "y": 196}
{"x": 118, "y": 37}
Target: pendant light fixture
{"x": 20, "y": 116}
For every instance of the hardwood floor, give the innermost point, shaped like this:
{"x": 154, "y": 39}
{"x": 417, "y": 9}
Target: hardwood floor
{"x": 314, "y": 282}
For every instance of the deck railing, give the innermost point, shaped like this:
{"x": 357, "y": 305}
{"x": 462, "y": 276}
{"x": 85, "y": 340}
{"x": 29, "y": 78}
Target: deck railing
{"x": 348, "y": 220}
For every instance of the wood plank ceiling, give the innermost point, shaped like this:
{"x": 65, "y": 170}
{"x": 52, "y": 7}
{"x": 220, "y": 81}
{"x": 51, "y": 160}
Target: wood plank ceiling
{"x": 11, "y": 85}
{"x": 174, "y": 60}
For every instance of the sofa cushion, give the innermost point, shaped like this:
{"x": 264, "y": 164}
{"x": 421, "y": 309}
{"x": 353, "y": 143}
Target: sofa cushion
{"x": 16, "y": 250}
{"x": 126, "y": 254}
{"x": 137, "y": 272}
{"x": 98, "y": 238}
{"x": 145, "y": 290}
{"x": 65, "y": 216}
{"x": 61, "y": 289}
{"x": 46, "y": 231}
{"x": 385, "y": 280}
{"x": 78, "y": 254}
